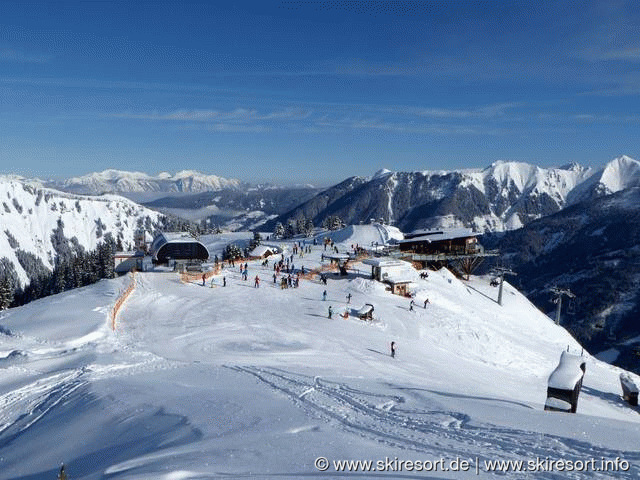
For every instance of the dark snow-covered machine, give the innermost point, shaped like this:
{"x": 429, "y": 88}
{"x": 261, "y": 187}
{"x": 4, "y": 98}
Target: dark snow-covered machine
{"x": 629, "y": 389}
{"x": 565, "y": 383}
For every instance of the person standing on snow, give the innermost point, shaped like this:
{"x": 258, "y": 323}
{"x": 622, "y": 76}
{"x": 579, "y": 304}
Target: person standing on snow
{"x": 324, "y": 295}
{"x": 62, "y": 475}
{"x": 411, "y": 306}
{"x": 256, "y": 284}
{"x": 330, "y": 311}
{"x": 393, "y": 349}
{"x": 224, "y": 281}
{"x": 204, "y": 279}
{"x": 349, "y": 298}
{"x": 425, "y": 303}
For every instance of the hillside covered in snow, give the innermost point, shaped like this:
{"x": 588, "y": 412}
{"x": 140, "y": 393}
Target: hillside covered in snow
{"x": 210, "y": 382}
{"x": 37, "y": 224}
{"x": 591, "y": 248}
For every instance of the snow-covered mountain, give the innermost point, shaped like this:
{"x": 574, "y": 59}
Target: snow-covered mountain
{"x": 257, "y": 383}
{"x": 36, "y": 222}
{"x": 123, "y": 182}
{"x": 235, "y": 209}
{"x": 619, "y": 174}
{"x": 503, "y": 196}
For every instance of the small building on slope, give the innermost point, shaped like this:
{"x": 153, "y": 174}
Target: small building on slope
{"x": 396, "y": 273}
{"x": 124, "y": 262}
{"x": 263, "y": 251}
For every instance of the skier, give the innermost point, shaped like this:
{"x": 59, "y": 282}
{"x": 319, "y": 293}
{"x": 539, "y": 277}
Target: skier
{"x": 274, "y": 278}
{"x": 62, "y": 475}
{"x": 393, "y": 349}
{"x": 224, "y": 281}
{"x": 324, "y": 295}
{"x": 204, "y": 278}
{"x": 330, "y": 311}
{"x": 349, "y": 298}
{"x": 411, "y": 306}
{"x": 256, "y": 284}
{"x": 425, "y": 303}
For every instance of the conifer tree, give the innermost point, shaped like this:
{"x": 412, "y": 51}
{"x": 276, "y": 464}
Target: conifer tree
{"x": 6, "y": 294}
{"x": 231, "y": 251}
{"x": 278, "y": 231}
{"x": 257, "y": 239}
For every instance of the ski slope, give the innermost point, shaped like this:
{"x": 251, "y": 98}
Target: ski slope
{"x": 241, "y": 382}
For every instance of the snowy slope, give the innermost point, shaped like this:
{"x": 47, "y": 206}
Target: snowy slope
{"x": 30, "y": 214}
{"x": 243, "y": 382}
{"x": 118, "y": 181}
{"x": 365, "y": 235}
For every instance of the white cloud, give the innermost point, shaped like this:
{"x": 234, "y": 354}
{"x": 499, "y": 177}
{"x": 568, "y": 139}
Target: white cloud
{"x": 19, "y": 56}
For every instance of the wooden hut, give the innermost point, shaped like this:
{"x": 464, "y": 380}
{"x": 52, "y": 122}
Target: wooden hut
{"x": 460, "y": 241}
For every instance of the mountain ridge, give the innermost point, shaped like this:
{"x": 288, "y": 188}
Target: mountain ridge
{"x": 503, "y": 196}
{"x": 122, "y": 181}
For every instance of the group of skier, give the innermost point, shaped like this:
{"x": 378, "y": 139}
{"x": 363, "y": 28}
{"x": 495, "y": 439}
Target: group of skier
{"x": 292, "y": 279}
{"x": 288, "y": 281}
{"x": 412, "y": 303}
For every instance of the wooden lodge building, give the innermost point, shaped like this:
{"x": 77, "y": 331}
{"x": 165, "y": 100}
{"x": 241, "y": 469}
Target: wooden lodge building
{"x": 460, "y": 241}
{"x": 457, "y": 249}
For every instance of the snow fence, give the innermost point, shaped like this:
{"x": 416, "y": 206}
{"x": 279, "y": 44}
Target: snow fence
{"x": 187, "y": 277}
{"x": 121, "y": 299}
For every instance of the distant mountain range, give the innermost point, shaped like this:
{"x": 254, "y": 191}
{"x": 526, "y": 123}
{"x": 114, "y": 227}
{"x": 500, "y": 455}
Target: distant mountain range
{"x": 123, "y": 182}
{"x": 504, "y": 196}
{"x": 194, "y": 196}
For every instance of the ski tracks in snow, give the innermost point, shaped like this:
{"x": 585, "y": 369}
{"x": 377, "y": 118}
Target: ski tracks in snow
{"x": 23, "y": 407}
{"x": 433, "y": 430}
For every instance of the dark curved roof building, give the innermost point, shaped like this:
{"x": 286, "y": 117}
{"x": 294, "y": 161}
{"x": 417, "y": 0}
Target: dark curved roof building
{"x": 177, "y": 246}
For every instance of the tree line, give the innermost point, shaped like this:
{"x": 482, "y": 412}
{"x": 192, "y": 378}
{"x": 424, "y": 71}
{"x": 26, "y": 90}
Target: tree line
{"x": 304, "y": 226}
{"x": 75, "y": 269}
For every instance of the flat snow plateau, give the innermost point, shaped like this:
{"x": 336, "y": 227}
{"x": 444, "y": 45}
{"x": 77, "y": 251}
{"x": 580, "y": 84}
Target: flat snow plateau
{"x": 241, "y": 382}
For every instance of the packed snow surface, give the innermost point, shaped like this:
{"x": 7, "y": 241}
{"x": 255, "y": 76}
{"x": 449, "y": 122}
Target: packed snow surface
{"x": 213, "y": 382}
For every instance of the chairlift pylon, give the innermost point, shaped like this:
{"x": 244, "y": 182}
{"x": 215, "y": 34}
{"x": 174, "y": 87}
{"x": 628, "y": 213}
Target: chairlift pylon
{"x": 571, "y": 308}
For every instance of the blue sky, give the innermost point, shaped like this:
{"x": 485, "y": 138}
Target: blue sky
{"x": 315, "y": 91}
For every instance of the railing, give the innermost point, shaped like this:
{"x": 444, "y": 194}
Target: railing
{"x": 121, "y": 299}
